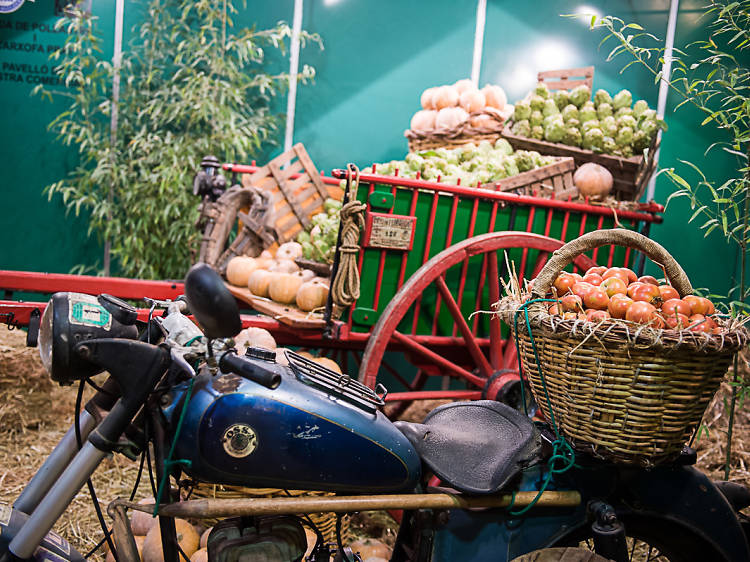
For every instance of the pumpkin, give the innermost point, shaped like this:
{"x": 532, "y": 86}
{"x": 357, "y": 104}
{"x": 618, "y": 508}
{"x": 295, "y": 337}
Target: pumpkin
{"x": 472, "y": 101}
{"x": 423, "y": 120}
{"x": 239, "y": 269}
{"x": 289, "y": 251}
{"x": 308, "y": 274}
{"x": 258, "y": 282}
{"x": 450, "y": 117}
{"x": 255, "y": 337}
{"x": 281, "y": 356}
{"x": 265, "y": 260}
{"x": 187, "y": 538}
{"x": 426, "y": 98}
{"x": 284, "y": 287}
{"x": 371, "y": 548}
{"x": 199, "y": 556}
{"x": 312, "y": 295}
{"x": 284, "y": 266}
{"x": 480, "y": 121}
{"x": 204, "y": 538}
{"x": 141, "y": 522}
{"x": 593, "y": 181}
{"x": 445, "y": 96}
{"x": 139, "y": 539}
{"x": 328, "y": 363}
{"x": 494, "y": 96}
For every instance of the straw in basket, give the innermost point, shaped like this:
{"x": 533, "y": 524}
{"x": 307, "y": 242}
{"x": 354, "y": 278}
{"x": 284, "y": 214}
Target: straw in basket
{"x": 622, "y": 391}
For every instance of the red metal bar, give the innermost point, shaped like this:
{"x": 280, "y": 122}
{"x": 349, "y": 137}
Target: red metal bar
{"x": 244, "y": 169}
{"x": 396, "y": 375}
{"x": 643, "y": 214}
{"x": 525, "y": 253}
{"x": 495, "y": 334}
{"x": 425, "y": 257}
{"x": 435, "y": 395}
{"x": 465, "y": 265}
{"x": 478, "y": 301}
{"x": 450, "y": 367}
{"x": 378, "y": 280}
{"x": 405, "y": 255}
{"x": 471, "y": 343}
{"x": 564, "y": 231}
{"x": 122, "y": 287}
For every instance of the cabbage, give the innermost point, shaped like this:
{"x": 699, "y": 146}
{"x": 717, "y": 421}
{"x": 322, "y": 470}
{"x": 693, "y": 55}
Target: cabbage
{"x": 573, "y": 123}
{"x": 522, "y": 111}
{"x": 483, "y": 176}
{"x": 541, "y": 90}
{"x": 641, "y": 141}
{"x": 572, "y": 137}
{"x": 639, "y": 108}
{"x": 503, "y": 146}
{"x": 550, "y": 118}
{"x": 587, "y": 112}
{"x": 569, "y": 112}
{"x": 521, "y": 128}
{"x": 303, "y": 236}
{"x": 624, "y": 137}
{"x": 536, "y": 118}
{"x": 593, "y": 139}
{"x": 623, "y": 111}
{"x": 648, "y": 114}
{"x": 602, "y": 96}
{"x": 430, "y": 173}
{"x": 524, "y": 160}
{"x": 510, "y": 167}
{"x": 603, "y": 110}
{"x": 649, "y": 126}
{"x": 627, "y": 121}
{"x": 555, "y": 131}
{"x": 485, "y": 147}
{"x": 626, "y": 151}
{"x": 562, "y": 98}
{"x": 415, "y": 161}
{"x": 623, "y": 98}
{"x": 536, "y": 103}
{"x": 590, "y": 124}
{"x": 609, "y": 126}
{"x": 537, "y": 132}
{"x": 580, "y": 95}
{"x": 609, "y": 145}
{"x": 550, "y": 108}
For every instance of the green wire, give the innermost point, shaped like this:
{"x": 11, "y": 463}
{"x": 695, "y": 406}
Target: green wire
{"x": 169, "y": 463}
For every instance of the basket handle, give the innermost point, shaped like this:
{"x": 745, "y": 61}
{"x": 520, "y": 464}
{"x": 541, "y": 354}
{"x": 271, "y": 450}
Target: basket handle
{"x": 620, "y": 237}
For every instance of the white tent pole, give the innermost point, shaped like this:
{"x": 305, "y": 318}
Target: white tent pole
{"x": 666, "y": 74}
{"x": 476, "y": 65}
{"x": 116, "y": 62}
{"x": 293, "y": 68}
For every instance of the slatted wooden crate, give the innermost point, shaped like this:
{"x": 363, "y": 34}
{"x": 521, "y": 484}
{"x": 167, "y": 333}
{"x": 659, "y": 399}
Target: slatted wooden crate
{"x": 554, "y": 181}
{"x": 567, "y": 78}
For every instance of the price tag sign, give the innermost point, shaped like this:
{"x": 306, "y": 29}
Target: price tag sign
{"x": 389, "y": 232}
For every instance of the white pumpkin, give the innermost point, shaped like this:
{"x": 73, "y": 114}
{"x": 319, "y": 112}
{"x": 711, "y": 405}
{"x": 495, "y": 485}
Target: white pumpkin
{"x": 472, "y": 101}
{"x": 423, "y": 120}
{"x": 259, "y": 281}
{"x": 445, "y": 96}
{"x": 494, "y": 96}
{"x": 450, "y": 117}
{"x": 254, "y": 337}
{"x": 284, "y": 287}
{"x": 312, "y": 295}
{"x": 289, "y": 251}
{"x": 239, "y": 269}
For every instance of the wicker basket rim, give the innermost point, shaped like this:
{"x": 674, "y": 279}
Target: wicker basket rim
{"x": 623, "y": 332}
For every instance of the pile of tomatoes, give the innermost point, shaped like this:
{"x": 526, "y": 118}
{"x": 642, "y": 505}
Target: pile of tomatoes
{"x": 616, "y": 292}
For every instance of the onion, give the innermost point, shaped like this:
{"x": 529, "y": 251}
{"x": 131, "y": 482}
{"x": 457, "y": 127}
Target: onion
{"x": 445, "y": 96}
{"x": 450, "y": 117}
{"x": 464, "y": 85}
{"x": 427, "y": 100}
{"x": 495, "y": 96}
{"x": 593, "y": 180}
{"x": 472, "y": 101}
{"x": 423, "y": 120}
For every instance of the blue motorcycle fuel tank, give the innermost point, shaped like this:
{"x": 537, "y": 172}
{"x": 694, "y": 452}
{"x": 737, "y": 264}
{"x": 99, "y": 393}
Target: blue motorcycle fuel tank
{"x": 317, "y": 430}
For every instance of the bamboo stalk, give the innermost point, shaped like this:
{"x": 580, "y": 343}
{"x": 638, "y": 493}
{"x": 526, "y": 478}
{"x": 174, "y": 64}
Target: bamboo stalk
{"x": 344, "y": 504}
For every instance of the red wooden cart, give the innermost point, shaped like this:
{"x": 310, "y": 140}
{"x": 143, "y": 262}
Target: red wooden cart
{"x": 416, "y": 302}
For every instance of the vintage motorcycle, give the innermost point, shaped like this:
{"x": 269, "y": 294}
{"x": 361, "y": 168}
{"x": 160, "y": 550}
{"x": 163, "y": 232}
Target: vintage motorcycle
{"x": 212, "y": 415}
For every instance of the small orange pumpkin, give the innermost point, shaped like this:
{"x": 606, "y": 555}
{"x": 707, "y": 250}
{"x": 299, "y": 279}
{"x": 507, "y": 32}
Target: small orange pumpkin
{"x": 284, "y": 287}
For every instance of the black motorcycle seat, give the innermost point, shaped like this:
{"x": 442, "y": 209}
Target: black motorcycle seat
{"x": 475, "y": 447}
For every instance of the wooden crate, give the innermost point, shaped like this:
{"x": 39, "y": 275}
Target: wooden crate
{"x": 554, "y": 181}
{"x": 567, "y": 78}
{"x": 630, "y": 174}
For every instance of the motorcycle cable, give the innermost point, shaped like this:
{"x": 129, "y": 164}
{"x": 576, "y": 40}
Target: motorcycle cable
{"x": 320, "y": 539}
{"x": 89, "y": 483}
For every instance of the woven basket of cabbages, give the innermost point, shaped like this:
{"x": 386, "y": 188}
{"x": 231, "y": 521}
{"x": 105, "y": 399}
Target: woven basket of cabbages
{"x": 559, "y": 118}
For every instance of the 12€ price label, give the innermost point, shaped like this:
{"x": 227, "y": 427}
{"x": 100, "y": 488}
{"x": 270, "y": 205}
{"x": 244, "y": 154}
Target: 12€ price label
{"x": 390, "y": 232}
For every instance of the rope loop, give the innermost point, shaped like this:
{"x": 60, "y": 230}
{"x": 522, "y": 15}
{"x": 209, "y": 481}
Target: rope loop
{"x": 345, "y": 287}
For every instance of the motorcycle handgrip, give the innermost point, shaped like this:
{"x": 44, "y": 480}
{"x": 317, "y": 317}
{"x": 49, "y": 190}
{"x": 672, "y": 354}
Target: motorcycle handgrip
{"x": 230, "y": 362}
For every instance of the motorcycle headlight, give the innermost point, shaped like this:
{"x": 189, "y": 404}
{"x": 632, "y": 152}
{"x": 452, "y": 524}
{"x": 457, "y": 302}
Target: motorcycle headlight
{"x": 71, "y": 318}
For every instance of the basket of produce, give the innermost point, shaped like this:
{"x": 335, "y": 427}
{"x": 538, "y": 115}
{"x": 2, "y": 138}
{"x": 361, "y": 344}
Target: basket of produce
{"x": 624, "y": 367}
{"x": 610, "y": 130}
{"x": 454, "y": 115}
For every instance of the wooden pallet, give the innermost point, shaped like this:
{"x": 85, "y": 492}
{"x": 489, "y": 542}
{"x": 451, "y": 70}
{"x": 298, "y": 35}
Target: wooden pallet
{"x": 284, "y": 313}
{"x": 567, "y": 78}
{"x": 554, "y": 181}
{"x": 293, "y": 201}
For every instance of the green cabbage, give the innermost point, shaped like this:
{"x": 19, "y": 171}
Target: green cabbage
{"x": 609, "y": 145}
{"x": 573, "y": 123}
{"x": 521, "y": 128}
{"x": 522, "y": 111}
{"x": 609, "y": 126}
{"x": 569, "y": 112}
{"x": 639, "y": 108}
{"x": 541, "y": 90}
{"x": 590, "y": 124}
{"x": 536, "y": 103}
{"x": 510, "y": 167}
{"x": 555, "y": 131}
{"x": 623, "y": 111}
{"x": 641, "y": 141}
{"x": 550, "y": 108}
{"x": 627, "y": 121}
{"x": 524, "y": 160}
{"x": 562, "y": 98}
{"x": 572, "y": 137}
{"x": 593, "y": 139}
{"x": 503, "y": 146}
{"x": 649, "y": 126}
{"x": 580, "y": 95}
{"x": 536, "y": 118}
{"x": 648, "y": 114}
{"x": 602, "y": 96}
{"x": 537, "y": 132}
{"x": 587, "y": 112}
{"x": 623, "y": 98}
{"x": 603, "y": 110}
{"x": 624, "y": 137}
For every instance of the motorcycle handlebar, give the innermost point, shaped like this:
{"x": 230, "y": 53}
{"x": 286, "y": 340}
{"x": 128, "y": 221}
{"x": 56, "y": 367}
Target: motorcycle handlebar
{"x": 230, "y": 362}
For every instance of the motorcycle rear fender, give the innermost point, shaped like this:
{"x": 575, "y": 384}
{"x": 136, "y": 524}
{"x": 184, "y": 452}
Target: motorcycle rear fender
{"x": 53, "y": 548}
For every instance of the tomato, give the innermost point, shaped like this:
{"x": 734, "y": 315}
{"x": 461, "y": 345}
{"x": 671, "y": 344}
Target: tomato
{"x": 554, "y": 309}
{"x": 569, "y": 315}
{"x": 699, "y": 323}
{"x": 677, "y": 321}
{"x": 571, "y": 303}
{"x": 632, "y": 287}
{"x": 614, "y": 286}
{"x": 596, "y": 299}
{"x": 716, "y": 330}
{"x": 710, "y": 308}
{"x": 598, "y": 269}
{"x": 563, "y": 283}
{"x": 668, "y": 292}
{"x": 675, "y": 306}
{"x": 593, "y": 315}
{"x": 582, "y": 289}
{"x": 632, "y": 277}
{"x": 616, "y": 272}
{"x": 593, "y": 278}
{"x": 618, "y": 305}
{"x": 698, "y": 305}
{"x": 647, "y": 293}
{"x": 648, "y": 279}
{"x": 641, "y": 312}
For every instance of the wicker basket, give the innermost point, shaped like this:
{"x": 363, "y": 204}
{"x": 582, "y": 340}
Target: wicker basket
{"x": 325, "y": 522}
{"x": 621, "y": 391}
{"x": 461, "y": 135}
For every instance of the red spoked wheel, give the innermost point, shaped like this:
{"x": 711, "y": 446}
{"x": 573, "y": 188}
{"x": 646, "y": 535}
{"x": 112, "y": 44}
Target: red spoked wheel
{"x": 431, "y": 321}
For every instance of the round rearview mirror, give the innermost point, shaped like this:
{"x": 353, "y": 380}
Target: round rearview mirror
{"x": 211, "y": 302}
